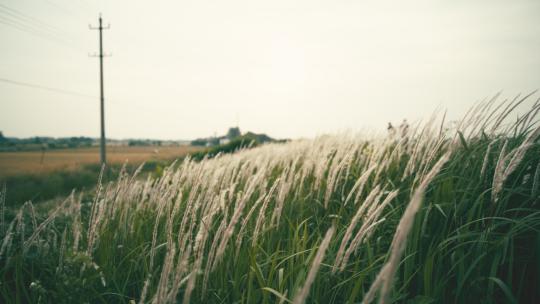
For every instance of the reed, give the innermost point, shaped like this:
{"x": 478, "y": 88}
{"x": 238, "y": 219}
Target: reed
{"x": 441, "y": 213}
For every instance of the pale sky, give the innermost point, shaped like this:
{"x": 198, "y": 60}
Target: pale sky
{"x": 187, "y": 69}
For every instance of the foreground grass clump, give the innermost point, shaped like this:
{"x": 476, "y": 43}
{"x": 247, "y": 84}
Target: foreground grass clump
{"x": 430, "y": 216}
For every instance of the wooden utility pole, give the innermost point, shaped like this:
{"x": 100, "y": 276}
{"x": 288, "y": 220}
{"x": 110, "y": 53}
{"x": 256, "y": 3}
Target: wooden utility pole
{"x": 102, "y": 96}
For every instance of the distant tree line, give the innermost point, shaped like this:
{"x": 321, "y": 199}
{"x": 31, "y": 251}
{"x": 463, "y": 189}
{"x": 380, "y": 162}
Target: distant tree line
{"x": 40, "y": 143}
{"x": 144, "y": 142}
{"x": 233, "y": 134}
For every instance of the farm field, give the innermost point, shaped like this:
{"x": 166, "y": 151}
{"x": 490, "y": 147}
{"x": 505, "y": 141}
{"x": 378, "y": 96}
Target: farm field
{"x": 31, "y": 162}
{"x": 434, "y": 215}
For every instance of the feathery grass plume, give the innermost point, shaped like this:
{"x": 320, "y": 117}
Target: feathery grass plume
{"x": 434, "y": 148}
{"x": 367, "y": 226}
{"x": 360, "y": 184}
{"x": 44, "y": 224}
{"x": 92, "y": 226}
{"x": 509, "y": 109}
{"x": 205, "y": 210}
{"x": 385, "y": 278}
{"x": 302, "y": 294}
{"x": 166, "y": 270}
{"x": 187, "y": 215}
{"x": 219, "y": 234}
{"x": 499, "y": 171}
{"x": 145, "y": 289}
{"x": 241, "y": 233}
{"x": 3, "y": 208}
{"x": 536, "y": 180}
{"x": 334, "y": 174}
{"x": 62, "y": 251}
{"x": 284, "y": 187}
{"x": 236, "y": 216}
{"x": 476, "y": 124}
{"x": 8, "y": 236}
{"x": 524, "y": 121}
{"x": 348, "y": 233}
{"x": 260, "y": 218}
{"x": 199, "y": 246}
{"x": 77, "y": 231}
{"x": 180, "y": 270}
{"x": 486, "y": 159}
{"x": 416, "y": 154}
{"x": 192, "y": 278}
{"x": 485, "y": 120}
{"x": 532, "y": 120}
{"x": 28, "y": 205}
{"x": 155, "y": 234}
{"x": 504, "y": 170}
{"x": 210, "y": 255}
{"x": 20, "y": 227}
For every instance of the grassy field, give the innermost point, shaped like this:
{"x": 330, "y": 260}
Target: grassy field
{"x": 36, "y": 162}
{"x": 436, "y": 216}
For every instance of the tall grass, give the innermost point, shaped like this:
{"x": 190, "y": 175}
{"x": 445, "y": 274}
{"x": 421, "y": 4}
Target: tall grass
{"x": 438, "y": 215}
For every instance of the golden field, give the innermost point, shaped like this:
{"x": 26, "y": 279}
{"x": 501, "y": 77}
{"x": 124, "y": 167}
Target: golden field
{"x": 14, "y": 163}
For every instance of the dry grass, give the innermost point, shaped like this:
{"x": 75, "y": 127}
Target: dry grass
{"x": 15, "y": 163}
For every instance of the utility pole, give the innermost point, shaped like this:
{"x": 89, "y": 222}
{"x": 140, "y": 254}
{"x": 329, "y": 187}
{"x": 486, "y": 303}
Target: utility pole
{"x": 102, "y": 96}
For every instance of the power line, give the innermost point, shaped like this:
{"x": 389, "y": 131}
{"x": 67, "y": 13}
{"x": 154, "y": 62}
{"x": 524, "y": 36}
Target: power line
{"x": 34, "y": 32}
{"x": 83, "y": 3}
{"x": 71, "y": 9}
{"x": 33, "y": 20}
{"x": 36, "y": 27}
{"x": 37, "y": 86}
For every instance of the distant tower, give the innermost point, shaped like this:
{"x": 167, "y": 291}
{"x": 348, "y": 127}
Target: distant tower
{"x": 233, "y": 133}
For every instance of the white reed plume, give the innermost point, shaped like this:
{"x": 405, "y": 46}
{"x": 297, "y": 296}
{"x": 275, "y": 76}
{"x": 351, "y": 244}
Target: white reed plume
{"x": 192, "y": 278}
{"x": 43, "y": 225}
{"x": 536, "y": 180}
{"x": 166, "y": 270}
{"x": 486, "y": 159}
{"x": 367, "y": 226}
{"x": 8, "y": 237}
{"x": 145, "y": 289}
{"x": 284, "y": 187}
{"x": 240, "y": 234}
{"x": 180, "y": 270}
{"x": 302, "y": 294}
{"x": 260, "y": 218}
{"x": 334, "y": 175}
{"x": 3, "y": 208}
{"x": 94, "y": 219}
{"x": 384, "y": 279}
{"x": 499, "y": 170}
{"x": 212, "y": 252}
{"x": 28, "y": 205}
{"x": 503, "y": 172}
{"x": 62, "y": 252}
{"x": 352, "y": 225}
{"x": 360, "y": 183}
{"x": 227, "y": 234}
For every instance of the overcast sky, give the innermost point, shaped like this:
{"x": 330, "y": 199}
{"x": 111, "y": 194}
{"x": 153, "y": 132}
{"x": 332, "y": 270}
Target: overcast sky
{"x": 186, "y": 69}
